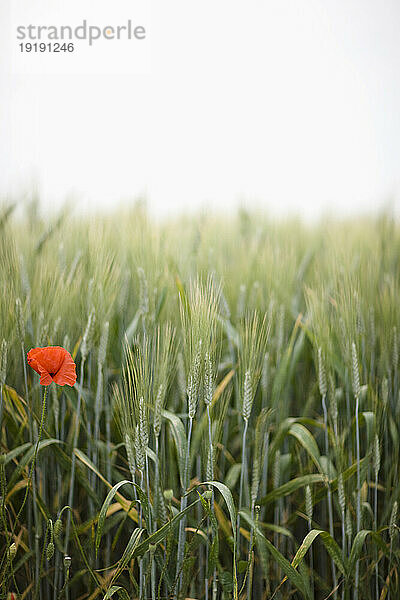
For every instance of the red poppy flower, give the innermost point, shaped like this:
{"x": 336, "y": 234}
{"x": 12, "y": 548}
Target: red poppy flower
{"x": 53, "y": 363}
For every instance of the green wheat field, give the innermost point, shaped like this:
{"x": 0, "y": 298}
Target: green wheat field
{"x": 234, "y": 428}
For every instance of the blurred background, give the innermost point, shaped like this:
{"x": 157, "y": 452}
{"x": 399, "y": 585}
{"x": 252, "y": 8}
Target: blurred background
{"x": 285, "y": 105}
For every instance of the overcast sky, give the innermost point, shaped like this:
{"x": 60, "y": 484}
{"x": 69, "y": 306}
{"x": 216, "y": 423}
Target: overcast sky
{"x": 288, "y": 105}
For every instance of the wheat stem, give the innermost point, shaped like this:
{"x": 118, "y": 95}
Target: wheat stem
{"x": 242, "y": 473}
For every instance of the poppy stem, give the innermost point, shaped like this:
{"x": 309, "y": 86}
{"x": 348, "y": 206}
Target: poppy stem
{"x": 32, "y": 505}
{"x": 28, "y": 485}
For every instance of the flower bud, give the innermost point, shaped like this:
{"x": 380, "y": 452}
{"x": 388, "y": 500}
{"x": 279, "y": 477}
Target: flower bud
{"x": 50, "y": 551}
{"x": 58, "y": 527}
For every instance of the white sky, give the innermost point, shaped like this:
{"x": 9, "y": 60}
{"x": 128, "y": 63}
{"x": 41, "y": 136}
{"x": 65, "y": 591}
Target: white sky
{"x": 289, "y": 105}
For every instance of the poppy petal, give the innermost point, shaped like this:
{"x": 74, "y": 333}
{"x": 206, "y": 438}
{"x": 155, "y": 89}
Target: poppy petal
{"x": 51, "y": 358}
{"x": 33, "y": 359}
{"x": 45, "y": 378}
{"x": 66, "y": 375}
